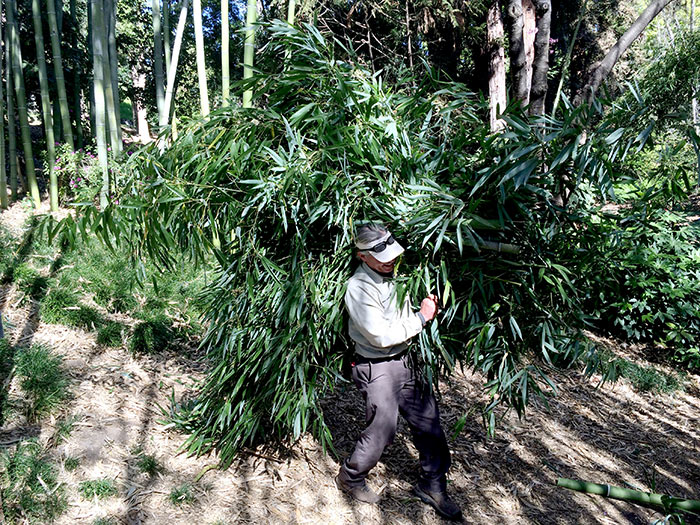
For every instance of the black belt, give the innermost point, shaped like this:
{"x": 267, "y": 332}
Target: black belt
{"x": 362, "y": 359}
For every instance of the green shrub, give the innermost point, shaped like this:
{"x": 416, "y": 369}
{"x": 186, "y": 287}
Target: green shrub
{"x": 100, "y": 488}
{"x": 29, "y": 281}
{"x": 151, "y": 336}
{"x": 61, "y": 306}
{"x": 110, "y": 334}
{"x": 29, "y": 486}
{"x": 148, "y": 464}
{"x": 41, "y": 379}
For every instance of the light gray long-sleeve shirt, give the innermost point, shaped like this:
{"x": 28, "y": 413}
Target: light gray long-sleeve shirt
{"x": 379, "y": 327}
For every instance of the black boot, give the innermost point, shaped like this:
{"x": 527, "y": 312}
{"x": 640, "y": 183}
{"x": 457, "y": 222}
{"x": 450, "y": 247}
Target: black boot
{"x": 441, "y": 502}
{"x": 359, "y": 492}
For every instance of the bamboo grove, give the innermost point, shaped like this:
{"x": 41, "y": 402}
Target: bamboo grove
{"x": 264, "y": 182}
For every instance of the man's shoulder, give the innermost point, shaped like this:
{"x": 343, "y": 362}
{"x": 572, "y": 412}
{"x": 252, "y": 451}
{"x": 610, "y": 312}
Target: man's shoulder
{"x": 360, "y": 280}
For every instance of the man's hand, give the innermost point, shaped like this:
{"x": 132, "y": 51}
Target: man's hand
{"x": 428, "y": 307}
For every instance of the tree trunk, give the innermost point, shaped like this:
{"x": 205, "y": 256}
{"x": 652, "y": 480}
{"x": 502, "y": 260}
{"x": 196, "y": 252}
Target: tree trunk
{"x": 517, "y": 50}
{"x": 201, "y": 65}
{"x": 529, "y": 32}
{"x": 45, "y": 103}
{"x": 158, "y": 63}
{"x": 175, "y": 58}
{"x": 497, "y": 67}
{"x": 605, "y": 66}
{"x": 116, "y": 121}
{"x": 98, "y": 66}
{"x": 3, "y": 171}
{"x": 249, "y": 48}
{"x": 21, "y": 98}
{"x": 538, "y": 92}
{"x": 166, "y": 35}
{"x": 291, "y": 8}
{"x": 225, "y": 73}
{"x": 58, "y": 74}
{"x": 11, "y": 118}
{"x": 138, "y": 77}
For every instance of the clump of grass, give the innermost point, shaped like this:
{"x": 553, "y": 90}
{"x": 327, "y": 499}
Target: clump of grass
{"x": 41, "y": 379}
{"x": 105, "y": 521}
{"x": 100, "y": 488}
{"x": 648, "y": 378}
{"x": 61, "y": 306}
{"x": 29, "y": 281}
{"x": 182, "y": 495}
{"x": 64, "y": 428}
{"x": 71, "y": 463}
{"x": 6, "y": 357}
{"x": 148, "y": 464}
{"x": 151, "y": 335}
{"x": 110, "y": 334}
{"x": 29, "y": 486}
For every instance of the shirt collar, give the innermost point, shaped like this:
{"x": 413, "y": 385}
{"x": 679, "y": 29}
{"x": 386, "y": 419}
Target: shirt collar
{"x": 376, "y": 277}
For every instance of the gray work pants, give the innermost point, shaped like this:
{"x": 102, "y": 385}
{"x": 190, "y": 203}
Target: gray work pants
{"x": 391, "y": 388}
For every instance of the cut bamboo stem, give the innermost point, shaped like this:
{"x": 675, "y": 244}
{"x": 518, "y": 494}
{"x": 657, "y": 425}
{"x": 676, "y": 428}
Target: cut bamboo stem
{"x": 648, "y": 499}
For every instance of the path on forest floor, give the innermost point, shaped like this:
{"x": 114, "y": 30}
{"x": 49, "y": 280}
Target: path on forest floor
{"x": 610, "y": 435}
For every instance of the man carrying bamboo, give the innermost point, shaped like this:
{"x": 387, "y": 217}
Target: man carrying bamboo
{"x": 381, "y": 329}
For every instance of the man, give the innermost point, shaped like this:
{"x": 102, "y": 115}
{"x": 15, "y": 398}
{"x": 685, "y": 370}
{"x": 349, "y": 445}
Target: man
{"x": 381, "y": 329}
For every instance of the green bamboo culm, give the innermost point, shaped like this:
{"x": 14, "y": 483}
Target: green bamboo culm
{"x": 58, "y": 73}
{"x": 172, "y": 70}
{"x": 113, "y": 62}
{"x": 3, "y": 176}
{"x": 201, "y": 64}
{"x": 11, "y": 134}
{"x": 112, "y": 106}
{"x": 45, "y": 103}
{"x": 647, "y": 499}
{"x": 158, "y": 63}
{"x": 18, "y": 76}
{"x": 98, "y": 45}
{"x": 291, "y": 7}
{"x": 249, "y": 48}
{"x": 225, "y": 73}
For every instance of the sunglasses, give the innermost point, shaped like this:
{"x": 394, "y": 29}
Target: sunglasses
{"x": 378, "y": 248}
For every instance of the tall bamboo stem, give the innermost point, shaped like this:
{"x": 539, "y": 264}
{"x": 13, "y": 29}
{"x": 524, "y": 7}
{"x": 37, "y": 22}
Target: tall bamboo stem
{"x": 158, "y": 63}
{"x": 166, "y": 34}
{"x": 225, "y": 73}
{"x": 11, "y": 119}
{"x": 98, "y": 41}
{"x": 180, "y": 31}
{"x": 18, "y": 77}
{"x": 201, "y": 67}
{"x": 249, "y": 48}
{"x": 45, "y": 102}
{"x": 3, "y": 174}
{"x": 111, "y": 78}
{"x": 77, "y": 107}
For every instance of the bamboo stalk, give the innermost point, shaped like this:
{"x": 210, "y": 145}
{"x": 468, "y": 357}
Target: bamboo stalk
{"x": 18, "y": 76}
{"x": 45, "y": 102}
{"x": 225, "y": 74}
{"x": 158, "y": 63}
{"x": 111, "y": 26}
{"x": 201, "y": 66}
{"x": 647, "y": 499}
{"x": 249, "y": 48}
{"x": 98, "y": 37}
{"x": 58, "y": 74}
{"x": 175, "y": 57}
{"x": 3, "y": 175}
{"x": 11, "y": 119}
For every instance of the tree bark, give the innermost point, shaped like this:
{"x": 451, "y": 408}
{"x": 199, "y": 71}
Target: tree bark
{"x": 497, "y": 67}
{"x": 517, "y": 49}
{"x": 540, "y": 68}
{"x": 18, "y": 76}
{"x": 201, "y": 66}
{"x": 138, "y": 78}
{"x": 45, "y": 102}
{"x": 605, "y": 66}
{"x": 249, "y": 48}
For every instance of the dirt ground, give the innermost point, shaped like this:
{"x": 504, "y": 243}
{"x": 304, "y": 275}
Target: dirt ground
{"x": 609, "y": 434}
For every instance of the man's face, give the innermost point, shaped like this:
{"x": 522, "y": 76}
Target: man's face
{"x": 377, "y": 266}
